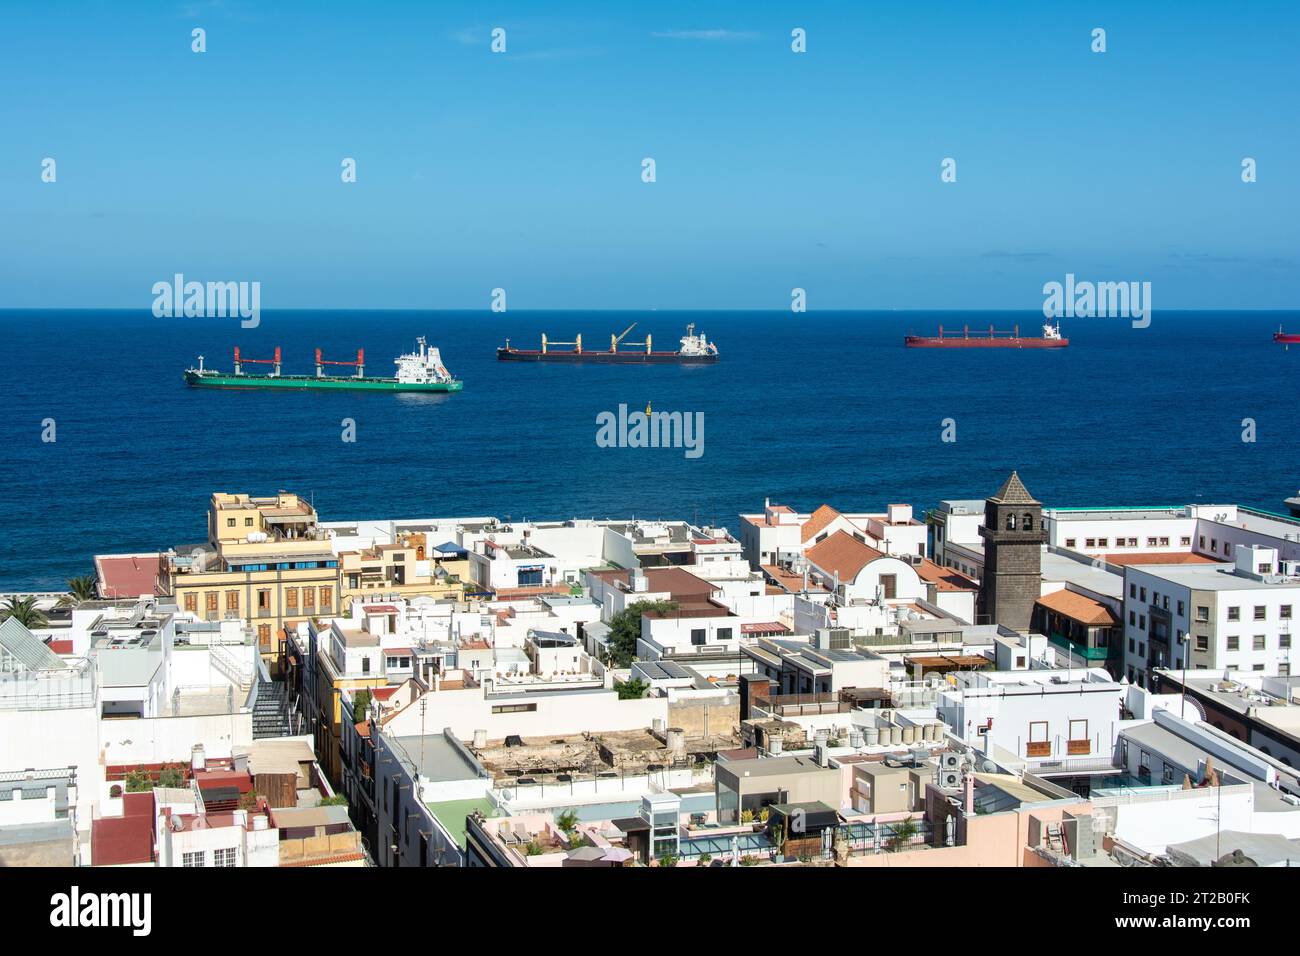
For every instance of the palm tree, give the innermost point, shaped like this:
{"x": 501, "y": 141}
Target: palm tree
{"x": 80, "y": 589}
{"x": 24, "y": 611}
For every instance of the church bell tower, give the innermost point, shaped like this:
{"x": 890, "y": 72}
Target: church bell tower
{"x": 1013, "y": 537}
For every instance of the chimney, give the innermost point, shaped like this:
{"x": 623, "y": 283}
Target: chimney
{"x": 197, "y": 759}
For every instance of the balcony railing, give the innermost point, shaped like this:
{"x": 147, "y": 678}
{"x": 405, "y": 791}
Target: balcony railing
{"x": 1041, "y": 748}
{"x": 1078, "y": 748}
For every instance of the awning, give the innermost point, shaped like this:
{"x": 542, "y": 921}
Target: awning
{"x": 771, "y": 627}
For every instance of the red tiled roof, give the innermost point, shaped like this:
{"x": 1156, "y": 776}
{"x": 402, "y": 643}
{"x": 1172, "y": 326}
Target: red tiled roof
{"x": 818, "y": 521}
{"x": 380, "y": 609}
{"x": 59, "y": 646}
{"x": 1183, "y": 557}
{"x": 115, "y": 841}
{"x": 1079, "y": 607}
{"x": 771, "y": 627}
{"x": 945, "y": 579}
{"x": 129, "y": 575}
{"x": 843, "y": 553}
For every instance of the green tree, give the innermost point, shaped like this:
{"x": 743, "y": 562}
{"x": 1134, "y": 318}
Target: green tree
{"x": 632, "y": 689}
{"x": 171, "y": 777}
{"x": 79, "y": 589}
{"x": 138, "y": 781}
{"x": 567, "y": 822}
{"x": 360, "y": 706}
{"x": 338, "y": 800}
{"x": 625, "y": 629}
{"x": 903, "y": 834}
{"x": 24, "y": 611}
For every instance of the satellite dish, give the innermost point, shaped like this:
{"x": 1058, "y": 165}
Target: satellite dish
{"x": 989, "y": 766}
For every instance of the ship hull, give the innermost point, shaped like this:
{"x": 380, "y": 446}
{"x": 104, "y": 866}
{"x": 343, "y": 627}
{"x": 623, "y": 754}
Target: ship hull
{"x": 1287, "y": 338}
{"x": 324, "y": 383}
{"x": 604, "y": 358}
{"x": 934, "y": 342}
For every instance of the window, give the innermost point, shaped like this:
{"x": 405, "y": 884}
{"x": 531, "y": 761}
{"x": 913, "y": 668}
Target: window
{"x": 1164, "y": 542}
{"x": 1132, "y": 646}
{"x": 1090, "y": 543}
{"x": 1132, "y": 590}
{"x": 1078, "y": 742}
{"x": 1180, "y": 608}
{"x": 1261, "y": 612}
{"x": 514, "y": 708}
{"x": 232, "y": 600}
{"x": 248, "y": 522}
{"x": 1142, "y": 622}
{"x": 1185, "y": 541}
{"x": 1284, "y": 612}
{"x": 1069, "y": 542}
{"x": 192, "y": 602}
{"x": 291, "y": 600}
{"x": 230, "y": 522}
{"x": 326, "y": 597}
{"x": 1234, "y": 643}
{"x": 1202, "y": 540}
{"x": 1214, "y": 544}
{"x": 1284, "y": 641}
{"x": 698, "y": 635}
{"x": 889, "y": 585}
{"x": 1151, "y": 542}
{"x": 308, "y": 597}
{"x": 1029, "y": 522}
{"x": 210, "y": 601}
{"x": 1011, "y": 522}
{"x": 724, "y": 633}
{"x": 1234, "y": 614}
{"x": 1132, "y": 617}
{"x": 1202, "y": 642}
{"x": 1227, "y": 549}
{"x": 1202, "y": 613}
{"x": 1038, "y": 744}
{"x": 1258, "y": 642}
{"x": 1258, "y": 667}
{"x": 1142, "y": 594}
{"x": 197, "y": 858}
{"x": 1103, "y": 542}
{"x": 365, "y": 665}
{"x": 1265, "y": 569}
{"x": 224, "y": 857}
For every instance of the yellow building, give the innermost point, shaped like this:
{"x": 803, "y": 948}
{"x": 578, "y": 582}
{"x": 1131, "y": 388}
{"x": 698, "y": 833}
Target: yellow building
{"x": 409, "y": 568}
{"x": 266, "y": 563}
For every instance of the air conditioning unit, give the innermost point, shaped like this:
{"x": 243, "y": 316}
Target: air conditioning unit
{"x": 949, "y": 779}
{"x": 950, "y": 760}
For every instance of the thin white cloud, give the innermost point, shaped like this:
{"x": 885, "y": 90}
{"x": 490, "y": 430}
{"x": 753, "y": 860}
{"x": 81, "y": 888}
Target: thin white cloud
{"x": 704, "y": 35}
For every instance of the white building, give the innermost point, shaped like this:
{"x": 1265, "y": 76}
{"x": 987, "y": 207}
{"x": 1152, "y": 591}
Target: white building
{"x": 780, "y": 534}
{"x": 1239, "y": 616}
{"x": 1035, "y": 716}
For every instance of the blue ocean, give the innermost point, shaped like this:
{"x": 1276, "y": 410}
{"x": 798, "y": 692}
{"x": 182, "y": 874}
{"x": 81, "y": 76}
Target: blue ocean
{"x": 802, "y": 408}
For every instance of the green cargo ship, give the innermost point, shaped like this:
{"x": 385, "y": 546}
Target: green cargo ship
{"x": 420, "y": 371}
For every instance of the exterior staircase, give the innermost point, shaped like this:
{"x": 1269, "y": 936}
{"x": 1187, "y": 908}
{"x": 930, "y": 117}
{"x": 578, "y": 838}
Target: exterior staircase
{"x": 271, "y": 710}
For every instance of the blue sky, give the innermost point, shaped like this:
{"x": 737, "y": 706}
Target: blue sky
{"x": 775, "y": 170}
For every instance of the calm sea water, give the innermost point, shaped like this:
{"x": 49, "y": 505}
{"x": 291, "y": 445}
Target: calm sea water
{"x": 802, "y": 408}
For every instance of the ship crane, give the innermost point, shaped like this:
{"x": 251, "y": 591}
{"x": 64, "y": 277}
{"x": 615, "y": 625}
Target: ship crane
{"x": 271, "y": 361}
{"x": 359, "y": 364}
{"x": 614, "y": 340}
{"x": 577, "y": 344}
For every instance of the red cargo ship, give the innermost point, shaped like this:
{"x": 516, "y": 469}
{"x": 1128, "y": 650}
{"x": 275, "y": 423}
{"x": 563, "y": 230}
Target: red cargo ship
{"x": 993, "y": 339}
{"x": 1286, "y": 338}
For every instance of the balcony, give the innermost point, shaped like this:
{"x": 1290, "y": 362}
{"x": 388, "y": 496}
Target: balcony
{"x": 1078, "y": 748}
{"x": 1042, "y": 748}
